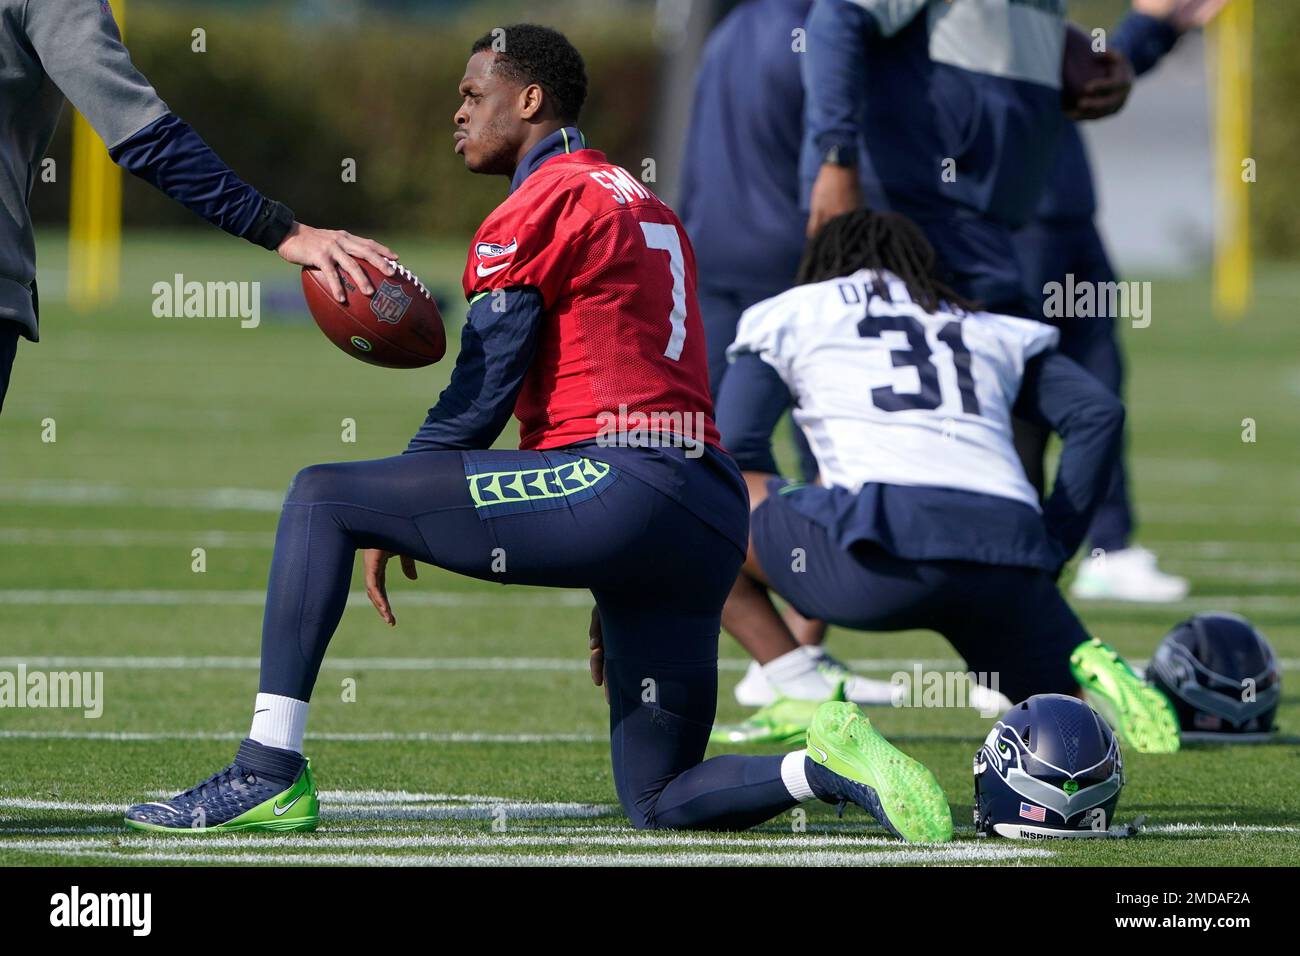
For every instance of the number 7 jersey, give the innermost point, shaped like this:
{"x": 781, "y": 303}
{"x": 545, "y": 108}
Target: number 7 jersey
{"x": 889, "y": 393}
{"x": 621, "y": 332}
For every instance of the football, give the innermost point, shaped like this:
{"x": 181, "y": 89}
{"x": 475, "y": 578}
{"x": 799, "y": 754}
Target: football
{"x": 1080, "y": 65}
{"x": 397, "y": 327}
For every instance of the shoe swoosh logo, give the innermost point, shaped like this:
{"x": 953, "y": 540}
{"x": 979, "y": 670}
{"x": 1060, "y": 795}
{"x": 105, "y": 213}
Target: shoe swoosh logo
{"x": 279, "y": 810}
{"x": 824, "y": 756}
{"x": 487, "y": 272}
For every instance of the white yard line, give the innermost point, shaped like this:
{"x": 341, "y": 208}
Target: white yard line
{"x": 523, "y": 598}
{"x": 428, "y": 737}
{"x": 1196, "y": 828}
{"x": 336, "y": 835}
{"x": 1274, "y": 572}
{"x": 134, "y": 538}
{"x": 354, "y": 664}
{"x": 954, "y": 853}
{"x": 1263, "y": 552}
{"x": 1220, "y": 602}
{"x": 148, "y": 597}
{"x": 629, "y": 840}
{"x": 1240, "y": 514}
{"x": 883, "y": 665}
{"x": 99, "y": 494}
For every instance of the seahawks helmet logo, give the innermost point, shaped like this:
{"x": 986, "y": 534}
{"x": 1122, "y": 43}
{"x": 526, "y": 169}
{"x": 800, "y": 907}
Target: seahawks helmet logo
{"x": 494, "y": 250}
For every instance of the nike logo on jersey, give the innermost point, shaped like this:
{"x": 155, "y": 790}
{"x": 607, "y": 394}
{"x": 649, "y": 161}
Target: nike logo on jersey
{"x": 487, "y": 272}
{"x": 279, "y": 810}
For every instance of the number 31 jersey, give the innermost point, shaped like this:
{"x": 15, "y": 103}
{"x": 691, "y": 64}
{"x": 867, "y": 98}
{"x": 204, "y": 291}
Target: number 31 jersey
{"x": 889, "y": 393}
{"x": 621, "y": 333}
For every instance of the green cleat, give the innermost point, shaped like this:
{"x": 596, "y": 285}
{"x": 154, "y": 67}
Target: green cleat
{"x": 237, "y": 798}
{"x": 1139, "y": 713}
{"x": 784, "y": 721}
{"x": 854, "y": 763}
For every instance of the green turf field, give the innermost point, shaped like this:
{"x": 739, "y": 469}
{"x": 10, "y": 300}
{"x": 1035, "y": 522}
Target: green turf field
{"x": 475, "y": 735}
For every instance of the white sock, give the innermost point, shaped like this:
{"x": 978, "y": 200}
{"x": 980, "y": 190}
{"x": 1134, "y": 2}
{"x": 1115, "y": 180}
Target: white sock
{"x": 279, "y": 722}
{"x": 793, "y": 776}
{"x": 794, "y": 674}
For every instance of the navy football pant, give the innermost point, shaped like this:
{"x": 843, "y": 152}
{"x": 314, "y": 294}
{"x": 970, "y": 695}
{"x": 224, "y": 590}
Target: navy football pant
{"x": 720, "y": 309}
{"x": 1004, "y": 620}
{"x": 1048, "y": 251}
{"x": 9, "y": 333}
{"x": 659, "y": 577}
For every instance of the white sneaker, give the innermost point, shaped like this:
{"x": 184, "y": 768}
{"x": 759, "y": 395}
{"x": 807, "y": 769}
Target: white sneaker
{"x": 1127, "y": 575}
{"x": 755, "y": 691}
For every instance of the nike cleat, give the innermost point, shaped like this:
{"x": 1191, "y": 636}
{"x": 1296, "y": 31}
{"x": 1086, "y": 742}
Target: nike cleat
{"x": 1127, "y": 575}
{"x": 1139, "y": 713}
{"x": 783, "y": 722}
{"x": 754, "y": 689}
{"x": 263, "y": 789}
{"x": 850, "y": 762}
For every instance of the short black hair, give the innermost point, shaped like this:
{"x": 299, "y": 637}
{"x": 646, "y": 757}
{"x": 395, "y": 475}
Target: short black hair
{"x": 866, "y": 239}
{"x": 530, "y": 53}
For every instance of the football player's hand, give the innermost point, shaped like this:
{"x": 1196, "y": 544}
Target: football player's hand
{"x": 331, "y": 251}
{"x": 376, "y": 585}
{"x": 596, "y": 642}
{"x": 835, "y": 192}
{"x": 1106, "y": 94}
{"x": 1183, "y": 15}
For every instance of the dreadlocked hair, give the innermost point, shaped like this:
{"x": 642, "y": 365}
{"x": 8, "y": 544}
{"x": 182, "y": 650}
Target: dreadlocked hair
{"x": 864, "y": 239}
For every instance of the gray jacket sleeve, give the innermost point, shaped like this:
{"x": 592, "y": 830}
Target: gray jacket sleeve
{"x": 81, "y": 49}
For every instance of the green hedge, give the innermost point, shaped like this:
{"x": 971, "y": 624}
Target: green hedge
{"x": 284, "y": 102}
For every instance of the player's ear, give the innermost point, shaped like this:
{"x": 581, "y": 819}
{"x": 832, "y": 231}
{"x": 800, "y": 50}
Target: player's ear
{"x": 530, "y": 102}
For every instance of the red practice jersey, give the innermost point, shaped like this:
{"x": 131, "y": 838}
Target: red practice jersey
{"x": 621, "y": 331}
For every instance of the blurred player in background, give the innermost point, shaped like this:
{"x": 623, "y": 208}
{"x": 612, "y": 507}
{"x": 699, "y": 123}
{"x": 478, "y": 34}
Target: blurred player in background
{"x": 740, "y": 174}
{"x": 1063, "y": 240}
{"x": 51, "y": 49}
{"x": 582, "y": 303}
{"x": 740, "y": 205}
{"x": 946, "y": 113}
{"x": 924, "y": 517}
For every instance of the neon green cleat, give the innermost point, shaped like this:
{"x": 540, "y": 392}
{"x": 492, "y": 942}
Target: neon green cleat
{"x": 854, "y": 763}
{"x": 234, "y": 799}
{"x": 1139, "y": 713}
{"x": 784, "y": 721}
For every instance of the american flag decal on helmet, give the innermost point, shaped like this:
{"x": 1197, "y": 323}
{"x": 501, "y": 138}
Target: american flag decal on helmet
{"x": 1031, "y": 812}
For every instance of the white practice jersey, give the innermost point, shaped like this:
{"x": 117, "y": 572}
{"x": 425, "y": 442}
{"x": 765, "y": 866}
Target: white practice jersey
{"x": 889, "y": 393}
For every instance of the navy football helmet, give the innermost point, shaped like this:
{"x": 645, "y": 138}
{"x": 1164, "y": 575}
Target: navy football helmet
{"x": 1221, "y": 676}
{"x": 1050, "y": 768}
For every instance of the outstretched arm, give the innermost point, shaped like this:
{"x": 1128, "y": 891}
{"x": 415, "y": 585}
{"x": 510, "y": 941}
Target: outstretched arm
{"x": 81, "y": 49}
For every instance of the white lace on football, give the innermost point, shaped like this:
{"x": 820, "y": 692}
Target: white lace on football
{"x": 410, "y": 276}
